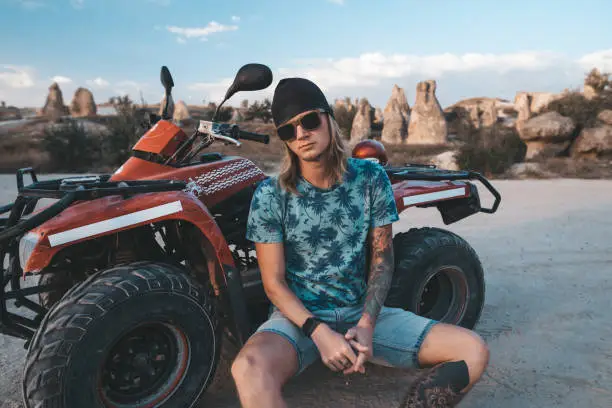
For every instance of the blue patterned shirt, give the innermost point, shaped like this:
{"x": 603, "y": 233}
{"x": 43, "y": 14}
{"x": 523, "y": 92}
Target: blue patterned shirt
{"x": 325, "y": 231}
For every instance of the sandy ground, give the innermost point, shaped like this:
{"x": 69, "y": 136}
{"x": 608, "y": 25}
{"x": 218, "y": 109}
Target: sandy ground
{"x": 547, "y": 254}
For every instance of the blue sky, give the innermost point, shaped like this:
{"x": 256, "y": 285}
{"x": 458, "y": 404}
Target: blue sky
{"x": 350, "y": 47}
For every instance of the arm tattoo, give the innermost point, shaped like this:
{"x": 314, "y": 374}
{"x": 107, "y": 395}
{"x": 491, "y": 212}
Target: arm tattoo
{"x": 381, "y": 271}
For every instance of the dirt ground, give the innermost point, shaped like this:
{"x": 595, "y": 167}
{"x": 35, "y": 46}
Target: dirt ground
{"x": 547, "y": 255}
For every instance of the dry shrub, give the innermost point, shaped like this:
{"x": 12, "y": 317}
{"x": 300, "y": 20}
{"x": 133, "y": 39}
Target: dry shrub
{"x": 70, "y": 147}
{"x": 580, "y": 109}
{"x": 19, "y": 150}
{"x": 491, "y": 150}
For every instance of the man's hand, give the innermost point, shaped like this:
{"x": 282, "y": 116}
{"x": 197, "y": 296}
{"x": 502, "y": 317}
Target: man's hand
{"x": 336, "y": 352}
{"x": 360, "y": 337}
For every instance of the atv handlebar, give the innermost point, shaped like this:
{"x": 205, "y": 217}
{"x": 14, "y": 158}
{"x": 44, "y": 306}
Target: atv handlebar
{"x": 256, "y": 137}
{"x": 230, "y": 133}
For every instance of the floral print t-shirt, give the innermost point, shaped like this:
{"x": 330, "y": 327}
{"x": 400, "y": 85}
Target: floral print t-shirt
{"x": 325, "y": 231}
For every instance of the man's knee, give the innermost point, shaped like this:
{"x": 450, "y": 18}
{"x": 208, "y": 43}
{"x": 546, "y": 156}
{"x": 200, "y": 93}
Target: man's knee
{"x": 250, "y": 366}
{"x": 476, "y": 354}
{"x": 452, "y": 343}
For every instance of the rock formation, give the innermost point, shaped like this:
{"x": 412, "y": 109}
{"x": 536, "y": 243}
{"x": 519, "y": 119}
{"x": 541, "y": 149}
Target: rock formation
{"x": 54, "y": 106}
{"x": 83, "y": 104}
{"x": 605, "y": 116}
{"x": 546, "y": 135}
{"x": 181, "y": 113}
{"x": 396, "y": 117}
{"x": 427, "y": 122}
{"x": 362, "y": 123}
{"x": 593, "y": 143}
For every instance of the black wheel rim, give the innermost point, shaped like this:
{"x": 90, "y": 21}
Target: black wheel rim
{"x": 444, "y": 295}
{"x": 144, "y": 366}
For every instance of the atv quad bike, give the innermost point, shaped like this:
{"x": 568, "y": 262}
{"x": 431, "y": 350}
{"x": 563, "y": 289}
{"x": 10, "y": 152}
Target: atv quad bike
{"x": 144, "y": 272}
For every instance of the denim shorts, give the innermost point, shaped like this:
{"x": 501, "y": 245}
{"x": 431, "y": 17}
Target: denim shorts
{"x": 398, "y": 334}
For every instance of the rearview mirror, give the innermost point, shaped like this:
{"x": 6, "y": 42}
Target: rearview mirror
{"x": 166, "y": 79}
{"x": 251, "y": 77}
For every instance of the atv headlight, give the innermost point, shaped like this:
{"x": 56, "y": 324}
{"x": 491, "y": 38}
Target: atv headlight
{"x": 26, "y": 246}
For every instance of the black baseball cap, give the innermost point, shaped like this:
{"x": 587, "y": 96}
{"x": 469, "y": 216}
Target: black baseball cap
{"x": 293, "y": 96}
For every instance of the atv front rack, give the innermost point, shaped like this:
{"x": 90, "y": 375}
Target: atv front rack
{"x": 20, "y": 220}
{"x": 431, "y": 173}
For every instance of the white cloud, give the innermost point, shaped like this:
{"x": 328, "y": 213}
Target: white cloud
{"x": 77, "y": 4}
{"x": 16, "y": 77}
{"x": 31, "y": 4}
{"x": 201, "y": 32}
{"x": 181, "y": 40}
{"x": 98, "y": 83}
{"x": 61, "y": 79}
{"x": 599, "y": 59}
{"x": 372, "y": 75}
{"x": 370, "y": 68}
{"x": 235, "y": 19}
{"x": 340, "y": 2}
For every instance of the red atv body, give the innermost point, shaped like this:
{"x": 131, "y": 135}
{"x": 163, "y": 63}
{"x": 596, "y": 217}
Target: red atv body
{"x": 143, "y": 270}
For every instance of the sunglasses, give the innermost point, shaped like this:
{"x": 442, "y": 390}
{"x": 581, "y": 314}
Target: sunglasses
{"x": 310, "y": 121}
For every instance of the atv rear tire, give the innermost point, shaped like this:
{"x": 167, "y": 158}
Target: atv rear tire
{"x": 437, "y": 275}
{"x": 139, "y": 335}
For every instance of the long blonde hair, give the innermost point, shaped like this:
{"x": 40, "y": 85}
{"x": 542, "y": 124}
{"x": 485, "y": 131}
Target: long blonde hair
{"x": 335, "y": 156}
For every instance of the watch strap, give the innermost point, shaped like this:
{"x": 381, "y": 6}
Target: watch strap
{"x": 310, "y": 325}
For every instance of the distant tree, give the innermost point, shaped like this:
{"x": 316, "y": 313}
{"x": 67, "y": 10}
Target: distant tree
{"x": 260, "y": 110}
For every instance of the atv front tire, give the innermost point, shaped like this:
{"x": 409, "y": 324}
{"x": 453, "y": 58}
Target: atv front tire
{"x": 437, "y": 275}
{"x": 139, "y": 335}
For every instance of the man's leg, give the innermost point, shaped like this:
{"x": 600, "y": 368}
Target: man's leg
{"x": 275, "y": 353}
{"x": 455, "y": 358}
{"x": 262, "y": 367}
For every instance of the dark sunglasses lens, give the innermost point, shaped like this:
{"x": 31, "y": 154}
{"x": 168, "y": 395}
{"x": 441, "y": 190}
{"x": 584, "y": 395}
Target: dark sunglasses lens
{"x": 285, "y": 132}
{"x": 311, "y": 121}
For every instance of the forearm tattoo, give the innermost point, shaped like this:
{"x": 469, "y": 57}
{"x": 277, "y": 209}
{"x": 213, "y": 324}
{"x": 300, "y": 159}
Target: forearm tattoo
{"x": 381, "y": 272}
{"x": 439, "y": 387}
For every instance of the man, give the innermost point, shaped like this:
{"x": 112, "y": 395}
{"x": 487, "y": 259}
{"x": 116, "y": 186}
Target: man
{"x": 323, "y": 235}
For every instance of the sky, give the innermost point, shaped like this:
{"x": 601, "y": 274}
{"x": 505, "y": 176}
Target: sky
{"x": 353, "y": 48}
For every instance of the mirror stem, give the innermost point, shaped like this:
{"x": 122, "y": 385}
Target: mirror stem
{"x": 214, "y": 118}
{"x": 165, "y": 112}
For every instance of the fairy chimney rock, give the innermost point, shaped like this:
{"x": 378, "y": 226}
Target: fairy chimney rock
{"x": 181, "y": 113}
{"x": 395, "y": 117}
{"x": 83, "y": 104}
{"x": 427, "y": 122}
{"x": 54, "y": 106}
{"x": 362, "y": 123}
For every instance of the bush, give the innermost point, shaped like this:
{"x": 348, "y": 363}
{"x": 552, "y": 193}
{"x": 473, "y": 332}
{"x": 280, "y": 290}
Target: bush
{"x": 69, "y": 146}
{"x": 259, "y": 110}
{"x": 491, "y": 150}
{"x": 124, "y": 131}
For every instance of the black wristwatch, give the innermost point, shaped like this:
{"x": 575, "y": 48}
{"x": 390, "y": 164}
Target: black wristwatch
{"x": 310, "y": 325}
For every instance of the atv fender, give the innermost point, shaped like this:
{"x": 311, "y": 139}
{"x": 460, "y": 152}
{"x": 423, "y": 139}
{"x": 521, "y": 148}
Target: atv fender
{"x": 87, "y": 220}
{"x": 454, "y": 199}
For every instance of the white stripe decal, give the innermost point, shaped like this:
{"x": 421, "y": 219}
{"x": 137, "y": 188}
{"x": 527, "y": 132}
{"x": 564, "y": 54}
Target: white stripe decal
{"x": 438, "y": 195}
{"x": 114, "y": 223}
